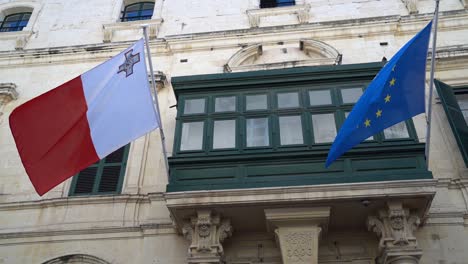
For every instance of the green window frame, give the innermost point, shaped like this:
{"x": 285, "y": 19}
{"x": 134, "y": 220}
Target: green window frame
{"x": 302, "y": 107}
{"x": 448, "y": 98}
{"x": 103, "y": 177}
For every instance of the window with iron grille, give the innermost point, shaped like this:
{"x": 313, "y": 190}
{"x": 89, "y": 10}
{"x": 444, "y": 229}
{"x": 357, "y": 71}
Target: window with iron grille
{"x": 103, "y": 177}
{"x": 276, "y": 3}
{"x": 15, "y": 22}
{"x": 138, "y": 11}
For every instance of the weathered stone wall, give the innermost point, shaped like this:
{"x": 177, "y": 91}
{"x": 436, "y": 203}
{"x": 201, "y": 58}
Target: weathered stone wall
{"x": 65, "y": 38}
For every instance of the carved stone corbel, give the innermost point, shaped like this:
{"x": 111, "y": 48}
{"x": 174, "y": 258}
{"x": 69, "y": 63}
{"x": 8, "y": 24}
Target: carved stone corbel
{"x": 7, "y": 94}
{"x": 395, "y": 226}
{"x": 206, "y": 232}
{"x": 411, "y": 5}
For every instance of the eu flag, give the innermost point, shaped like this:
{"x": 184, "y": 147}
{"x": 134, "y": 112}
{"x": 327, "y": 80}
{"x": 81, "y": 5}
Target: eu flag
{"x": 395, "y": 94}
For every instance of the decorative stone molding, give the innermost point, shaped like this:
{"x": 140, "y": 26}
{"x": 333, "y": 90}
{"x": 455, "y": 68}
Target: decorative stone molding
{"x": 206, "y": 232}
{"x": 464, "y": 3}
{"x": 160, "y": 80}
{"x": 21, "y": 38}
{"x": 239, "y": 57}
{"x": 76, "y": 258}
{"x": 301, "y": 11}
{"x": 7, "y": 93}
{"x": 395, "y": 226}
{"x": 314, "y": 52}
{"x": 332, "y": 55}
{"x": 110, "y": 29}
{"x": 412, "y": 6}
{"x": 298, "y": 232}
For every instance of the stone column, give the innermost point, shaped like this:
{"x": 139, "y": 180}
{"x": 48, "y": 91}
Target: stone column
{"x": 206, "y": 232}
{"x": 298, "y": 232}
{"x": 395, "y": 226}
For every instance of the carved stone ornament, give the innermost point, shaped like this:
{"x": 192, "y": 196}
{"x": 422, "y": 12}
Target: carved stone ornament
{"x": 395, "y": 226}
{"x": 7, "y": 94}
{"x": 411, "y": 5}
{"x": 299, "y": 246}
{"x": 206, "y": 232}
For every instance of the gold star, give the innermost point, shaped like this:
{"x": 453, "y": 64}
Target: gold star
{"x": 392, "y": 82}
{"x": 387, "y": 98}
{"x": 367, "y": 123}
{"x": 378, "y": 113}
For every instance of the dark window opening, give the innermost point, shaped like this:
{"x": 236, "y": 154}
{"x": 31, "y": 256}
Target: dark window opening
{"x": 138, "y": 11}
{"x": 103, "y": 177}
{"x": 15, "y": 22}
{"x": 276, "y": 3}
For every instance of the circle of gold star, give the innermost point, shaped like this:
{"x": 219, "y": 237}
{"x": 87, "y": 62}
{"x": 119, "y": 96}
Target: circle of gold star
{"x": 378, "y": 113}
{"x": 387, "y": 98}
{"x": 367, "y": 122}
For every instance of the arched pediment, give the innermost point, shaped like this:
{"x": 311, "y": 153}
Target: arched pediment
{"x": 76, "y": 259}
{"x": 280, "y": 55}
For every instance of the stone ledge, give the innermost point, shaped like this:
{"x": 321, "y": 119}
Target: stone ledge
{"x": 82, "y": 234}
{"x": 110, "y": 29}
{"x": 301, "y": 11}
{"x": 303, "y": 193}
{"x": 83, "y": 200}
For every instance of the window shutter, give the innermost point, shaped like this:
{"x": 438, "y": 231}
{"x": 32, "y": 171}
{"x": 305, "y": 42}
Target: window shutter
{"x": 103, "y": 177}
{"x": 85, "y": 181}
{"x": 454, "y": 116}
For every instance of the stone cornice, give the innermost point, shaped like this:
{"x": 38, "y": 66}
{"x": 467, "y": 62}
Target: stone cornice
{"x": 302, "y": 193}
{"x": 58, "y": 235}
{"x": 83, "y": 200}
{"x": 402, "y": 25}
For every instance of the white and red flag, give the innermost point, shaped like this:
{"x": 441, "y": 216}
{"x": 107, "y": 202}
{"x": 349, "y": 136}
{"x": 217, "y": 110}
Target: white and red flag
{"x": 65, "y": 130}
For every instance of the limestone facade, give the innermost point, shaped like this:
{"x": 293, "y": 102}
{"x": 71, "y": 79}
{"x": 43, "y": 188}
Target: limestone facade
{"x": 421, "y": 221}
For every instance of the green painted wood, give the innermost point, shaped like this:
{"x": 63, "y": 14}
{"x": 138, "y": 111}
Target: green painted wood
{"x": 454, "y": 116}
{"x": 293, "y": 169}
{"x": 276, "y": 165}
{"x": 117, "y": 163}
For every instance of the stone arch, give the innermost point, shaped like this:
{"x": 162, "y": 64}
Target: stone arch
{"x": 262, "y": 56}
{"x": 76, "y": 259}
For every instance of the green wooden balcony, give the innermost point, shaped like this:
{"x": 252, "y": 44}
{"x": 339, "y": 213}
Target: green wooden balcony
{"x": 274, "y": 128}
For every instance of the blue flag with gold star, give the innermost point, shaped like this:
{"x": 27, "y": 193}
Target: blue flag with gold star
{"x": 395, "y": 94}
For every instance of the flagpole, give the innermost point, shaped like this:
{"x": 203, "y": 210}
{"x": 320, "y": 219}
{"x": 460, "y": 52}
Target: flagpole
{"x": 431, "y": 84}
{"x": 153, "y": 85}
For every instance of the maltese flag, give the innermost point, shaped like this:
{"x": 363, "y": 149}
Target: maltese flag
{"x": 65, "y": 130}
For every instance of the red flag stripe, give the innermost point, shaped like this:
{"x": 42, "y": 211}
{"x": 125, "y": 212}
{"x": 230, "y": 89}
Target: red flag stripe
{"x": 50, "y": 131}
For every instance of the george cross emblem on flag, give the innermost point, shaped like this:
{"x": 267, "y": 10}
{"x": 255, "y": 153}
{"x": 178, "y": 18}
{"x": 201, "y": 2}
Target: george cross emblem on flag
{"x": 130, "y": 60}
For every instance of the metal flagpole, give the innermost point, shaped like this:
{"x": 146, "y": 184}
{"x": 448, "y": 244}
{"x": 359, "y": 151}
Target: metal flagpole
{"x": 431, "y": 84}
{"x": 163, "y": 138}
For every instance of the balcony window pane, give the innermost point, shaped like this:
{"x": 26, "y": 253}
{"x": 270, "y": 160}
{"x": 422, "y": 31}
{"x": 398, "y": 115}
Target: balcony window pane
{"x": 257, "y": 132}
{"x": 351, "y": 95}
{"x": 290, "y": 130}
{"x": 367, "y": 139}
{"x": 192, "y": 136}
{"x": 397, "y": 131}
{"x": 194, "y": 106}
{"x": 324, "y": 128}
{"x": 224, "y": 134}
{"x": 288, "y": 100}
{"x": 256, "y": 102}
{"x": 321, "y": 97}
{"x": 225, "y": 104}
